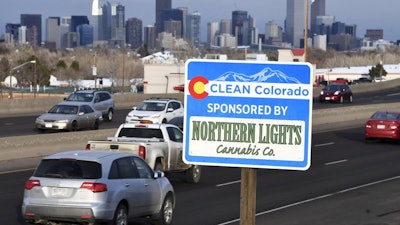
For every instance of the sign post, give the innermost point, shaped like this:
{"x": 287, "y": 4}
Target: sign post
{"x": 248, "y": 114}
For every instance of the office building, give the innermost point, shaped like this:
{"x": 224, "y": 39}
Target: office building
{"x": 161, "y": 5}
{"x": 317, "y": 9}
{"x": 374, "y": 34}
{"x": 150, "y": 37}
{"x": 134, "y": 27}
{"x": 193, "y": 28}
{"x": 12, "y": 29}
{"x": 85, "y": 32}
{"x": 53, "y": 34}
{"x": 118, "y": 33}
{"x": 295, "y": 22}
{"x": 171, "y": 14}
{"x": 77, "y": 21}
{"x": 33, "y": 23}
{"x": 239, "y": 20}
{"x": 101, "y": 20}
{"x": 212, "y": 32}
{"x": 173, "y": 27}
{"x": 225, "y": 26}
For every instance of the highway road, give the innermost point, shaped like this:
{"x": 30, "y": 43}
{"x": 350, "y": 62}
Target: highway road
{"x": 24, "y": 125}
{"x": 343, "y": 169}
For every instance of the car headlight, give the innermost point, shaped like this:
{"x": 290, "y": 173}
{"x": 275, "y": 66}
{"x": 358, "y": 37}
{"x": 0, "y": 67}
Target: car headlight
{"x": 337, "y": 93}
{"x": 39, "y": 120}
{"x": 322, "y": 92}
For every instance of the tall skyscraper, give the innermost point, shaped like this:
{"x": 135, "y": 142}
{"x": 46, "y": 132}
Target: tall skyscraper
{"x": 77, "y": 21}
{"x": 150, "y": 37}
{"x": 33, "y": 23}
{"x": 212, "y": 32}
{"x": 295, "y": 22}
{"x": 118, "y": 33}
{"x": 238, "y": 20}
{"x": 85, "y": 32}
{"x": 317, "y": 9}
{"x": 172, "y": 14}
{"x": 12, "y": 29}
{"x": 95, "y": 21}
{"x": 53, "y": 34}
{"x": 225, "y": 26}
{"x": 193, "y": 28}
{"x": 160, "y": 6}
{"x": 134, "y": 32}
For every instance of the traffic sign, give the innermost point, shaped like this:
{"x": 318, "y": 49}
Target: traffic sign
{"x": 248, "y": 114}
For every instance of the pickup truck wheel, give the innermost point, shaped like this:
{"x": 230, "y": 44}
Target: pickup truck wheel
{"x": 158, "y": 167}
{"x": 193, "y": 174}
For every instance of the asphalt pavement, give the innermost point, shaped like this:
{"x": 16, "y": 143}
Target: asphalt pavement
{"x": 376, "y": 203}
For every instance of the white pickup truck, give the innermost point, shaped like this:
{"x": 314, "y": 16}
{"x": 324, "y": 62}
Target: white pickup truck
{"x": 160, "y": 145}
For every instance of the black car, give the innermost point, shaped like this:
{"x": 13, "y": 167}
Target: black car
{"x": 177, "y": 121}
{"x": 362, "y": 80}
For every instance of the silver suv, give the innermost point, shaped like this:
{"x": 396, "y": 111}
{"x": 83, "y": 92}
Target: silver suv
{"x": 155, "y": 110}
{"x": 91, "y": 187}
{"x": 100, "y": 100}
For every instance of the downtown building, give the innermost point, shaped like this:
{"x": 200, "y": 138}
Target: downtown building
{"x": 33, "y": 24}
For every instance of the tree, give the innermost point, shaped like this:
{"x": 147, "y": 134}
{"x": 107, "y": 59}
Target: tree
{"x": 377, "y": 71}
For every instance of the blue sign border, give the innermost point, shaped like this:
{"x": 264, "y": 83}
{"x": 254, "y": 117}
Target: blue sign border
{"x": 237, "y": 71}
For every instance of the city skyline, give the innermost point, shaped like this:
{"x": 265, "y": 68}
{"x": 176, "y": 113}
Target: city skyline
{"x": 357, "y": 12}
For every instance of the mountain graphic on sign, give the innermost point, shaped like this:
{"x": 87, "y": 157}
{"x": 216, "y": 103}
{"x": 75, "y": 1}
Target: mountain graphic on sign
{"x": 265, "y": 75}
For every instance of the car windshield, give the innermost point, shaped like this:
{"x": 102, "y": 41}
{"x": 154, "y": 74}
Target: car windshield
{"x": 332, "y": 88}
{"x": 80, "y": 97}
{"x": 68, "y": 169}
{"x": 64, "y": 109}
{"x": 385, "y": 116}
{"x": 151, "y": 106}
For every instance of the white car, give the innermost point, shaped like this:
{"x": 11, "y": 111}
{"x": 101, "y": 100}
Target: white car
{"x": 155, "y": 110}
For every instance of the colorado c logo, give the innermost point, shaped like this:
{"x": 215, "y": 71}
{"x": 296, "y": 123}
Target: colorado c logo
{"x": 197, "y": 87}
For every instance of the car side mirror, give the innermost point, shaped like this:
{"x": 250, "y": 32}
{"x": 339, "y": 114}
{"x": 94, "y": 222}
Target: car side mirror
{"x": 81, "y": 113}
{"x": 170, "y": 110}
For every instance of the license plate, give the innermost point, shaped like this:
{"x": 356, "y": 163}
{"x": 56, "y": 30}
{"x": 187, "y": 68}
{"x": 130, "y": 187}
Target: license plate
{"x": 48, "y": 125}
{"x": 60, "y": 192}
{"x": 327, "y": 98}
{"x": 380, "y": 126}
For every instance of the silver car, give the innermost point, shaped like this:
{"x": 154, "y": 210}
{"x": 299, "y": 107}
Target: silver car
{"x": 91, "y": 187}
{"x": 70, "y": 116}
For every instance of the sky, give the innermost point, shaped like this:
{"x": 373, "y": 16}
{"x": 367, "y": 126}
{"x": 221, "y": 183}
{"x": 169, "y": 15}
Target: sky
{"x": 374, "y": 14}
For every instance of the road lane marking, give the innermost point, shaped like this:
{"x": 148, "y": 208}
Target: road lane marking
{"x": 336, "y": 162}
{"x": 316, "y": 198}
{"x": 394, "y": 94}
{"x": 16, "y": 171}
{"x": 228, "y": 183}
{"x": 324, "y": 144}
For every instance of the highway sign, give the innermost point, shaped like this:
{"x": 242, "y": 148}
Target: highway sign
{"x": 248, "y": 114}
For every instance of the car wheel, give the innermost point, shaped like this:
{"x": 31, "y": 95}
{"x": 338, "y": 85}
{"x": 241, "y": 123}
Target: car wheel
{"x": 120, "y": 216}
{"x": 109, "y": 115}
{"x": 74, "y": 126}
{"x": 96, "y": 125}
{"x": 193, "y": 174}
{"x": 166, "y": 212}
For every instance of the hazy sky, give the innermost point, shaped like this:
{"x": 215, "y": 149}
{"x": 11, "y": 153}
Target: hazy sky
{"x": 381, "y": 14}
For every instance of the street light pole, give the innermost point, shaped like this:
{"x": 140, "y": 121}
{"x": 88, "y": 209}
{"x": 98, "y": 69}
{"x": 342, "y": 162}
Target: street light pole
{"x": 10, "y": 76}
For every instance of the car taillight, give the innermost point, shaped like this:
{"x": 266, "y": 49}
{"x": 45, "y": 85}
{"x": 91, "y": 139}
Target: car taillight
{"x": 94, "y": 187}
{"x": 87, "y": 147}
{"x": 31, "y": 183}
{"x": 368, "y": 125}
{"x": 142, "y": 152}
